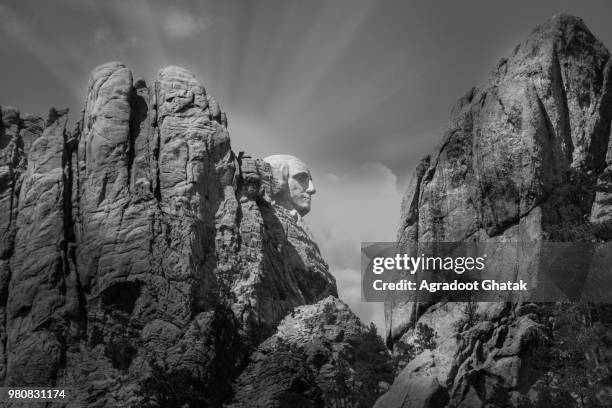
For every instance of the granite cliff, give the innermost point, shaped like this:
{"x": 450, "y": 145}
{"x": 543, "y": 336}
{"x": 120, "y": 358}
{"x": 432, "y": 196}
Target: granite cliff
{"x": 527, "y": 158}
{"x": 143, "y": 263}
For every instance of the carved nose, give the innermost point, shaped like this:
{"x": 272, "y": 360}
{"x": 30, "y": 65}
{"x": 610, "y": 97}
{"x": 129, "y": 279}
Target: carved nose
{"x": 311, "y": 188}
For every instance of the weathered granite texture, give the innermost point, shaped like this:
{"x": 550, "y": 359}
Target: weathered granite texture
{"x": 320, "y": 356}
{"x": 142, "y": 261}
{"x": 526, "y": 158}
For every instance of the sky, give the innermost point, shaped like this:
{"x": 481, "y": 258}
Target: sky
{"x": 359, "y": 90}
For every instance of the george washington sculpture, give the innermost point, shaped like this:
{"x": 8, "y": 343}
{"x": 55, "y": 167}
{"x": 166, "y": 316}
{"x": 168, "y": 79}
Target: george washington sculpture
{"x": 293, "y": 183}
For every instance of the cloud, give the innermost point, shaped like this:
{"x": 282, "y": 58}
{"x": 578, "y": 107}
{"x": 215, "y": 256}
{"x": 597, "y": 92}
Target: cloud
{"x": 11, "y": 22}
{"x": 178, "y": 24}
{"x": 101, "y": 36}
{"x": 362, "y": 205}
{"x": 104, "y": 39}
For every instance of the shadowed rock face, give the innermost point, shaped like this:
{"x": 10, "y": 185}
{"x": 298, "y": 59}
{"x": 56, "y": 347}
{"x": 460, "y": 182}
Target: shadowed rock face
{"x": 141, "y": 261}
{"x": 317, "y": 357}
{"x": 525, "y": 154}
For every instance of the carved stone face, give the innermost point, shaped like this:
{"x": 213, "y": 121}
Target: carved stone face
{"x": 294, "y": 181}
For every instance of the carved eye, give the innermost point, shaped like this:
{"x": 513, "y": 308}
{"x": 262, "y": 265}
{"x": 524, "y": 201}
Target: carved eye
{"x": 302, "y": 177}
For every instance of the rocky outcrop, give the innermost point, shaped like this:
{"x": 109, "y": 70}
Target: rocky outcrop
{"x": 526, "y": 159}
{"x": 143, "y": 262}
{"x": 316, "y": 358}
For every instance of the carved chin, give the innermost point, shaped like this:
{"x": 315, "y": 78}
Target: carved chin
{"x": 302, "y": 208}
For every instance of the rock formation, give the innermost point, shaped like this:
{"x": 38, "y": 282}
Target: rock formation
{"x": 319, "y": 356}
{"x": 144, "y": 264}
{"x": 527, "y": 158}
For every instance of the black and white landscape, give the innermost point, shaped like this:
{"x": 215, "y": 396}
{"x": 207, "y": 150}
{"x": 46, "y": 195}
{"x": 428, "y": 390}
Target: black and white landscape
{"x": 187, "y": 233}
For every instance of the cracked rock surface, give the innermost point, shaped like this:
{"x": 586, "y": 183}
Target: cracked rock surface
{"x": 526, "y": 158}
{"x": 142, "y": 262}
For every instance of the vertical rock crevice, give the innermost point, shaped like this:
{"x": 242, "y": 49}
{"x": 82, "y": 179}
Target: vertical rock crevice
{"x": 149, "y": 262}
{"x": 540, "y": 137}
